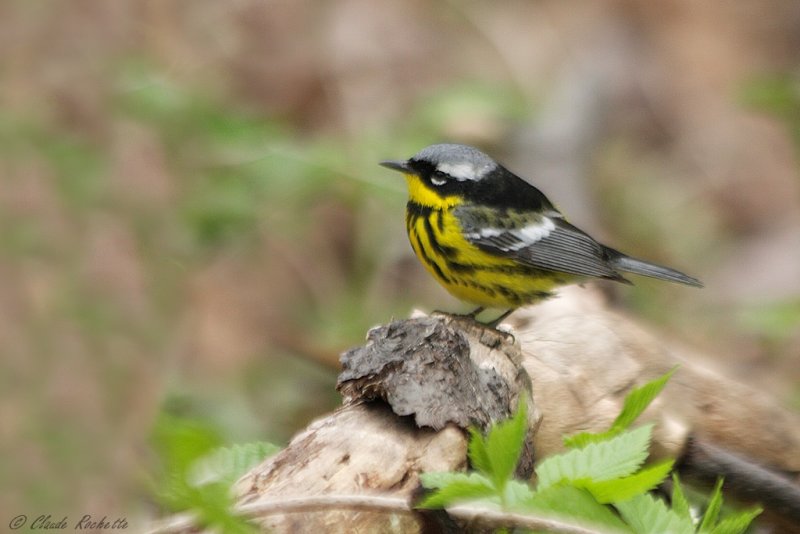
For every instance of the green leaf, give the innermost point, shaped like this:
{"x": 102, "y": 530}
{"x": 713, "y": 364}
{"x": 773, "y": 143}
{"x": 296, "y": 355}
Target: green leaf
{"x": 516, "y": 494}
{"x": 495, "y": 457}
{"x": 478, "y": 457}
{"x": 213, "y": 506}
{"x": 712, "y": 511}
{"x": 226, "y": 464}
{"x": 620, "y": 456}
{"x": 440, "y": 479}
{"x": 455, "y": 487}
{"x": 180, "y": 441}
{"x": 582, "y": 439}
{"x": 679, "y": 503}
{"x": 197, "y": 471}
{"x": 639, "y": 399}
{"x": 622, "y": 489}
{"x": 737, "y": 523}
{"x": 571, "y": 503}
{"x": 635, "y": 403}
{"x": 504, "y": 444}
{"x": 646, "y": 515}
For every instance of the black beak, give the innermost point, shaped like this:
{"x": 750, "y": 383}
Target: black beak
{"x": 401, "y": 166}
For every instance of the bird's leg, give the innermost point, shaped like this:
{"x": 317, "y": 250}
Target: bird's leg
{"x": 474, "y": 313}
{"x": 499, "y": 320}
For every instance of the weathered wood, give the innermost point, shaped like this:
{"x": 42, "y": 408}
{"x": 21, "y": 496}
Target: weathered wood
{"x": 584, "y": 358}
{"x": 362, "y": 448}
{"x": 439, "y": 370}
{"x": 409, "y": 393}
{"x": 442, "y": 373}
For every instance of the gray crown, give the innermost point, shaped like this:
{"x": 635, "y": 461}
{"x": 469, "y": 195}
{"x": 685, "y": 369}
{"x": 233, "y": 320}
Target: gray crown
{"x": 461, "y": 162}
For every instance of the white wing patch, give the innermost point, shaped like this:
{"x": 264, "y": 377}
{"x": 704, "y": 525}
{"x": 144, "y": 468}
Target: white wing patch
{"x": 463, "y": 171}
{"x": 518, "y": 238}
{"x": 484, "y": 233}
{"x": 534, "y": 232}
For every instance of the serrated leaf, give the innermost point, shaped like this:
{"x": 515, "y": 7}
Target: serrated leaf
{"x": 679, "y": 503}
{"x": 455, "y": 487}
{"x": 737, "y": 523}
{"x": 620, "y": 456}
{"x": 226, "y": 464}
{"x": 646, "y": 515}
{"x": 516, "y": 494}
{"x": 582, "y": 439}
{"x": 638, "y": 400}
{"x": 504, "y": 444}
{"x": 571, "y": 503}
{"x": 476, "y": 451}
{"x": 622, "y": 489}
{"x": 712, "y": 510}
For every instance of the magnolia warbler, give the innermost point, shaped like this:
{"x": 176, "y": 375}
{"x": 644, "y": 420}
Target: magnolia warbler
{"x": 494, "y": 240}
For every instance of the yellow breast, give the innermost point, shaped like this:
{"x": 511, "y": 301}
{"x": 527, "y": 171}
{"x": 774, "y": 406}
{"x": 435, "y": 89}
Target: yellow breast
{"x": 466, "y": 271}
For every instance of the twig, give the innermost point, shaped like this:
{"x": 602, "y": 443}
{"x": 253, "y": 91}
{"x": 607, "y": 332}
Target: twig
{"x": 312, "y": 503}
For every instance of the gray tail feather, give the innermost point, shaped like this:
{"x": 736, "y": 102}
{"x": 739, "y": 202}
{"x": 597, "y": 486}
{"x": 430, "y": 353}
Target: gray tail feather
{"x": 632, "y": 265}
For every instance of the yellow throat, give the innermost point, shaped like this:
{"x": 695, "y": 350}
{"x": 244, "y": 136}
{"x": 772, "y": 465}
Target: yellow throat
{"x": 419, "y": 193}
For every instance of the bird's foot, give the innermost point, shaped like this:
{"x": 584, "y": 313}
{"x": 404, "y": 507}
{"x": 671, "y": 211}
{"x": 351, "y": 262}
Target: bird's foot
{"x": 491, "y": 325}
{"x": 494, "y": 324}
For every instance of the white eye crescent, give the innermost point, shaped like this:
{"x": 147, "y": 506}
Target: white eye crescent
{"x": 438, "y": 180}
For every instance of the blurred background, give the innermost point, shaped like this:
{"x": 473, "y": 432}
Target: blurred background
{"x": 193, "y": 221}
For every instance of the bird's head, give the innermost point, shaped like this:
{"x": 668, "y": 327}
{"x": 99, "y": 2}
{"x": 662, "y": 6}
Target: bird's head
{"x": 445, "y": 174}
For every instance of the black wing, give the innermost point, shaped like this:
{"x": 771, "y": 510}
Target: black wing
{"x": 540, "y": 240}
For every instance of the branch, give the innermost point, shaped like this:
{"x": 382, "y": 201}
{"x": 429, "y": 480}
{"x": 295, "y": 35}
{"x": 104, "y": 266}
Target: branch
{"x": 379, "y": 503}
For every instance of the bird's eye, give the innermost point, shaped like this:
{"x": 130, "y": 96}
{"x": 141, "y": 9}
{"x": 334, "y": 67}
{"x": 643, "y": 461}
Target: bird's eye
{"x": 438, "y": 178}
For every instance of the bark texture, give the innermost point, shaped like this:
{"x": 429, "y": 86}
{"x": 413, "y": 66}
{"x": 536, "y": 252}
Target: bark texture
{"x": 416, "y": 384}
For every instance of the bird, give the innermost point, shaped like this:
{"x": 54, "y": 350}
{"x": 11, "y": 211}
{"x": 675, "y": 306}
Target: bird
{"x": 494, "y": 240}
